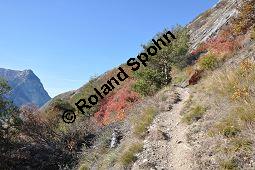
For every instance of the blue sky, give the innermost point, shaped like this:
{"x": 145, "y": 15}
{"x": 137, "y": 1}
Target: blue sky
{"x": 66, "y": 42}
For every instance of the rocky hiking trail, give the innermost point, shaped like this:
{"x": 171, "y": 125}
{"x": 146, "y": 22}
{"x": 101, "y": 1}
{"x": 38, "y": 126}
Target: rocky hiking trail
{"x": 166, "y": 146}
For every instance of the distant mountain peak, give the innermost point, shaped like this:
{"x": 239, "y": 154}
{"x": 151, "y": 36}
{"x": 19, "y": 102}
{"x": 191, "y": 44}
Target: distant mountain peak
{"x": 28, "y": 71}
{"x": 26, "y": 87}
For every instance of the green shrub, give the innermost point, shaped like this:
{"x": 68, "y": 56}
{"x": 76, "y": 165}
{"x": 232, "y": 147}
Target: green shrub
{"x": 208, "y": 62}
{"x": 158, "y": 72}
{"x": 141, "y": 124}
{"x": 129, "y": 156}
{"x": 195, "y": 114}
{"x": 7, "y": 108}
{"x": 148, "y": 81}
{"x": 143, "y": 88}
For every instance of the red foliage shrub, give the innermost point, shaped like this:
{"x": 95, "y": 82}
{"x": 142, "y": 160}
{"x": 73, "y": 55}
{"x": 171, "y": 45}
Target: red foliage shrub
{"x": 224, "y": 43}
{"x": 113, "y": 108}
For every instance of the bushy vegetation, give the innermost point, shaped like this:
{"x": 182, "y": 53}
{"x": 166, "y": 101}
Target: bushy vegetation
{"x": 238, "y": 86}
{"x": 213, "y": 53}
{"x": 246, "y": 114}
{"x": 224, "y": 44}
{"x": 29, "y": 139}
{"x": 158, "y": 72}
{"x": 241, "y": 144}
{"x": 7, "y": 108}
{"x": 148, "y": 81}
{"x": 114, "y": 107}
{"x": 9, "y": 119}
{"x": 84, "y": 167}
{"x": 208, "y": 62}
{"x": 51, "y": 147}
{"x": 58, "y": 144}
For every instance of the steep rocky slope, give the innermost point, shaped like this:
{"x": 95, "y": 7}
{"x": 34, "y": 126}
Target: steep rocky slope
{"x": 26, "y": 87}
{"x": 210, "y": 22}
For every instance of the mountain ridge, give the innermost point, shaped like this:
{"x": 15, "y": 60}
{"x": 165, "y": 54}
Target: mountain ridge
{"x": 26, "y": 87}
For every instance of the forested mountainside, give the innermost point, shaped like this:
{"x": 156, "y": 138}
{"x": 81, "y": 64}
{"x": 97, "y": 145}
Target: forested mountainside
{"x": 26, "y": 87}
{"x": 201, "y": 117}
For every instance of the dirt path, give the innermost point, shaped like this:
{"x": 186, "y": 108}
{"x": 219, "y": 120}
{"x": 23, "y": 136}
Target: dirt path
{"x": 166, "y": 146}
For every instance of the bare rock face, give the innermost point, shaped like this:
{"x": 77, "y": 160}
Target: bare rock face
{"x": 26, "y": 87}
{"x": 209, "y": 23}
{"x": 116, "y": 137}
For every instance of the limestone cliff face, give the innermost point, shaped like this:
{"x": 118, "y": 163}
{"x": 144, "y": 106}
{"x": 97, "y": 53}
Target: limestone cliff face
{"x": 210, "y": 22}
{"x": 26, "y": 87}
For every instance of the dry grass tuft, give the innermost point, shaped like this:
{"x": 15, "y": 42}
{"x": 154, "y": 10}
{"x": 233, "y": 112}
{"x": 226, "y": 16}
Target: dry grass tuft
{"x": 129, "y": 155}
{"x": 142, "y": 123}
{"x": 194, "y": 114}
{"x": 229, "y": 164}
{"x": 228, "y": 127}
{"x": 237, "y": 84}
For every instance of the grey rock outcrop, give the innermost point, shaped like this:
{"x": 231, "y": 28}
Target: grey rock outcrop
{"x": 209, "y": 23}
